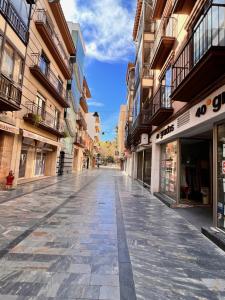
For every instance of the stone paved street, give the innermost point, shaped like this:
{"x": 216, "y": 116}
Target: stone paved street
{"x": 100, "y": 235}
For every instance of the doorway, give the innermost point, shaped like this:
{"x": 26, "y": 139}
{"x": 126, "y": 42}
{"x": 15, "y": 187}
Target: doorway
{"x": 195, "y": 171}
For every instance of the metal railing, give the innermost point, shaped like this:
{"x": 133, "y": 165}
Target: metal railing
{"x": 79, "y": 140}
{"x": 49, "y": 74}
{"x": 149, "y": 27}
{"x": 8, "y": 91}
{"x": 81, "y": 121}
{"x": 209, "y": 32}
{"x": 39, "y": 114}
{"x": 12, "y": 16}
{"x": 147, "y": 72}
{"x": 42, "y": 16}
{"x": 161, "y": 99}
{"x": 167, "y": 28}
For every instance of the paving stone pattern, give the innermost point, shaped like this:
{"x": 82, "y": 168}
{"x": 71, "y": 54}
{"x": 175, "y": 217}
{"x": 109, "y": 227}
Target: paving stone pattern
{"x": 102, "y": 236}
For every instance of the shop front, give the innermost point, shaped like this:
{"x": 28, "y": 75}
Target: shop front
{"x": 8, "y": 134}
{"x": 188, "y": 163}
{"x": 38, "y": 157}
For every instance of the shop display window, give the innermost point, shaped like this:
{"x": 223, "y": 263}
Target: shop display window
{"x": 23, "y": 162}
{"x": 168, "y": 176}
{"x": 221, "y": 176}
{"x": 40, "y": 163}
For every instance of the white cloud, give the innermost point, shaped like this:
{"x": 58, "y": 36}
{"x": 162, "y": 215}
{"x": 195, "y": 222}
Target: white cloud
{"x": 95, "y": 103}
{"x": 107, "y": 26}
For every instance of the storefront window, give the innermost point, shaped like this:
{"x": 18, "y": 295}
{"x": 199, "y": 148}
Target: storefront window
{"x": 221, "y": 176}
{"x": 23, "y": 162}
{"x": 168, "y": 180}
{"x": 40, "y": 163}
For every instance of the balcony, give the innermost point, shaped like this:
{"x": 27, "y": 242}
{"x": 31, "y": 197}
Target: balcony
{"x": 161, "y": 106}
{"x": 164, "y": 41}
{"x": 142, "y": 124}
{"x": 201, "y": 61}
{"x": 49, "y": 80}
{"x": 183, "y": 6}
{"x": 147, "y": 75}
{"x": 12, "y": 17}
{"x": 81, "y": 121}
{"x": 158, "y": 7}
{"x": 46, "y": 29}
{"x": 39, "y": 117}
{"x": 78, "y": 141}
{"x": 83, "y": 104}
{"x": 10, "y": 95}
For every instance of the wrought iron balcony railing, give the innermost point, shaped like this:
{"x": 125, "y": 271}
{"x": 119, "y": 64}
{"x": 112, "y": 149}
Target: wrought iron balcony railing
{"x": 43, "y": 72}
{"x": 167, "y": 30}
{"x": 78, "y": 140}
{"x": 147, "y": 72}
{"x": 52, "y": 39}
{"x": 40, "y": 117}
{"x": 12, "y": 16}
{"x": 208, "y": 36}
{"x": 9, "y": 94}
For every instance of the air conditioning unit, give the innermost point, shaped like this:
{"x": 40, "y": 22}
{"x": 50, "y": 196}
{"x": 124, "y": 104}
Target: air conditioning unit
{"x": 144, "y": 139}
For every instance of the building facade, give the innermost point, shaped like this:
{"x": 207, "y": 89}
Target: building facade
{"x": 14, "y": 38}
{"x": 121, "y": 134}
{"x": 94, "y": 131}
{"x": 185, "y": 112}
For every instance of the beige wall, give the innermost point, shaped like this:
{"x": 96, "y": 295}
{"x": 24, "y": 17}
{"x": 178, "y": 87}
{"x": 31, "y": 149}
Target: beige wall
{"x": 121, "y": 129}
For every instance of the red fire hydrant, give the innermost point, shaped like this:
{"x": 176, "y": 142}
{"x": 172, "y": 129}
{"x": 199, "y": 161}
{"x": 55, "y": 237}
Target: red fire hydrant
{"x": 9, "y": 180}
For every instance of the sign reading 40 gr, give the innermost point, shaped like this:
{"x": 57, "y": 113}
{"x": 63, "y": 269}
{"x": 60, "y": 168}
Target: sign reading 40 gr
{"x": 216, "y": 104}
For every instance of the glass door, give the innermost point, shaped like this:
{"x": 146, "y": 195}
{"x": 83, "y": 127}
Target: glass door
{"x": 147, "y": 167}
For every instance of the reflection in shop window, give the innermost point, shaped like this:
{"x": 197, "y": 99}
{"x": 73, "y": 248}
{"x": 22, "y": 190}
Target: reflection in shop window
{"x": 40, "y": 164}
{"x": 23, "y": 162}
{"x": 168, "y": 180}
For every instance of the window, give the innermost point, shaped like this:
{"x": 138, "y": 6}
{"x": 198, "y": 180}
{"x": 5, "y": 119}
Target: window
{"x": 44, "y": 64}
{"x": 60, "y": 85}
{"x": 7, "y": 62}
{"x": 166, "y": 88}
{"x": 56, "y": 119}
{"x": 18, "y": 67}
{"x": 12, "y": 64}
{"x": 40, "y": 102}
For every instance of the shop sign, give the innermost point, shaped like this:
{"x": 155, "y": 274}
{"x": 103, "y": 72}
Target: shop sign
{"x": 9, "y": 128}
{"x": 166, "y": 131}
{"x": 216, "y": 103}
{"x": 34, "y": 136}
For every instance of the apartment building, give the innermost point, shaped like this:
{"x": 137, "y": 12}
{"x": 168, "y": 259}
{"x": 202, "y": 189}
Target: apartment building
{"x": 48, "y": 67}
{"x": 14, "y": 37}
{"x": 140, "y": 85}
{"x": 94, "y": 131}
{"x": 186, "y": 110}
{"x": 121, "y": 131}
{"x": 129, "y": 155}
{"x": 80, "y": 94}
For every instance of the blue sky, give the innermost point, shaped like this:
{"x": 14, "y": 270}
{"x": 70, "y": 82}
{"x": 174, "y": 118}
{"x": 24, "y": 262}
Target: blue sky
{"x": 107, "y": 29}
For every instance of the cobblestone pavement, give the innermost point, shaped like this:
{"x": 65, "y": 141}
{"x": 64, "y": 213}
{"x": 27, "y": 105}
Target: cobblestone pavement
{"x": 101, "y": 235}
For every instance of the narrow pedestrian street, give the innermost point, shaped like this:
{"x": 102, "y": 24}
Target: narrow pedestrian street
{"x": 100, "y": 235}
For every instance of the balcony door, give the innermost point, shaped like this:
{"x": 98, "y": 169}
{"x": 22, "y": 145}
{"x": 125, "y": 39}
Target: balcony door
{"x": 40, "y": 106}
{"x": 44, "y": 64}
{"x": 166, "y": 89}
